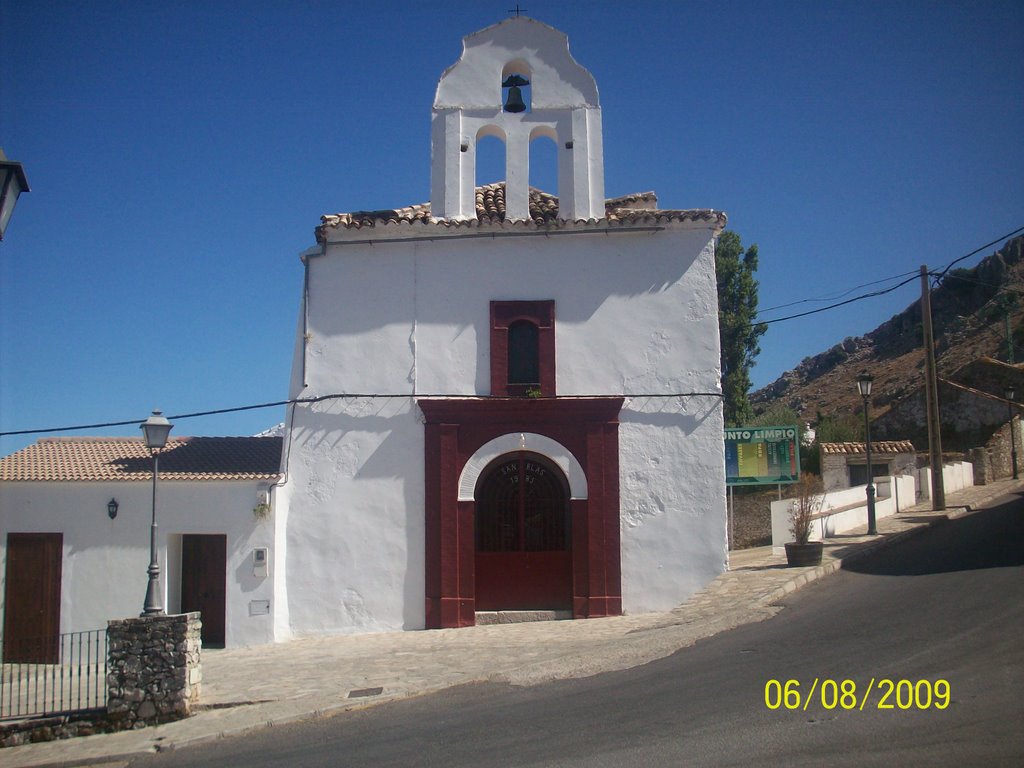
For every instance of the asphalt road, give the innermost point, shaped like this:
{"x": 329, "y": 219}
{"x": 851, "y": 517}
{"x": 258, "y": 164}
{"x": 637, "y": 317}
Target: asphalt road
{"x": 946, "y": 605}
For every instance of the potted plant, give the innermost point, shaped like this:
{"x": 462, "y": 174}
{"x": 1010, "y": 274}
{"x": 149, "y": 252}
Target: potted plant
{"x": 261, "y": 511}
{"x": 808, "y": 502}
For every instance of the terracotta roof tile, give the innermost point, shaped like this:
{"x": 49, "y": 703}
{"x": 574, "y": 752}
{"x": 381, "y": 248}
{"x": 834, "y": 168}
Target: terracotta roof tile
{"x": 126, "y": 458}
{"x": 629, "y": 210}
{"x": 884, "y": 446}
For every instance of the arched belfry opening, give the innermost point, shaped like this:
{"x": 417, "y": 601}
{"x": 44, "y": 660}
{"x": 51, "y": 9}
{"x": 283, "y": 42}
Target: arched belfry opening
{"x": 516, "y": 91}
{"x": 490, "y": 156}
{"x": 517, "y": 77}
{"x": 544, "y": 161}
{"x": 515, "y": 88}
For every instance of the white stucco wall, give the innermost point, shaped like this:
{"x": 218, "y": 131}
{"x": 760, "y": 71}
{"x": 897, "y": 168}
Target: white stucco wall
{"x": 355, "y": 532}
{"x": 104, "y": 571}
{"x": 636, "y": 314}
{"x": 474, "y": 81}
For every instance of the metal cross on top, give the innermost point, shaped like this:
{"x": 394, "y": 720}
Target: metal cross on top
{"x": 517, "y": 10}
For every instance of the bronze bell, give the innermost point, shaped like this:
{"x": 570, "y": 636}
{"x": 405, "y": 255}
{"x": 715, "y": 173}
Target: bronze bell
{"x": 514, "y": 102}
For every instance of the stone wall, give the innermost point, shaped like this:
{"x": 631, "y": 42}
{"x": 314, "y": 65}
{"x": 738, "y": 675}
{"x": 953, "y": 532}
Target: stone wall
{"x": 154, "y": 671}
{"x": 982, "y": 471}
{"x": 995, "y": 459}
{"x": 37, "y": 729}
{"x": 969, "y": 418}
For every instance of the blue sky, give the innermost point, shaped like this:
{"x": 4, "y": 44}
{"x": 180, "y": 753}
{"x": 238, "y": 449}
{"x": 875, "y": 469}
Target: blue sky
{"x": 180, "y": 155}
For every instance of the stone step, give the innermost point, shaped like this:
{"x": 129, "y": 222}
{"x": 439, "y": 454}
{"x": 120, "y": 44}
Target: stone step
{"x": 516, "y": 617}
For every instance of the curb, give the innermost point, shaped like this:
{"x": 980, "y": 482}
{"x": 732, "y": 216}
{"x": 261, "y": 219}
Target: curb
{"x": 162, "y": 744}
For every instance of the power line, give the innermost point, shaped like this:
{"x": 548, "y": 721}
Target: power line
{"x": 342, "y": 396}
{"x": 136, "y": 422}
{"x": 873, "y": 294}
{"x": 838, "y": 295}
{"x": 840, "y": 304}
{"x": 979, "y": 250}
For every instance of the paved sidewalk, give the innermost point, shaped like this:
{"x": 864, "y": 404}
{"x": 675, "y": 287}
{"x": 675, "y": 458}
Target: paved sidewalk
{"x": 252, "y": 688}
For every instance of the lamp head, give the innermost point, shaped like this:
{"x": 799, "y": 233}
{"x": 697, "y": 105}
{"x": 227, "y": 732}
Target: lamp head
{"x": 155, "y": 430}
{"x": 864, "y": 381}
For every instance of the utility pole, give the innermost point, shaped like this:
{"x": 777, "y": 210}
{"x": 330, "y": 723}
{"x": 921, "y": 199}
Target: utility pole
{"x": 931, "y": 389}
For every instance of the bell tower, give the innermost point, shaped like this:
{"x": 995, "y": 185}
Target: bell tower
{"x": 517, "y": 81}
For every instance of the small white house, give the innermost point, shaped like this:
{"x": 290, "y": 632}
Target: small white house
{"x": 844, "y": 465}
{"x": 75, "y": 517}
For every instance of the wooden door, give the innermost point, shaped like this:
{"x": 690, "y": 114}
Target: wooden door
{"x": 523, "y": 555}
{"x": 32, "y": 597}
{"x": 204, "y": 583}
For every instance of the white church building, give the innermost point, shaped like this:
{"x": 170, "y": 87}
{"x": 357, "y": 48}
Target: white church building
{"x": 520, "y": 392}
{"x": 505, "y": 400}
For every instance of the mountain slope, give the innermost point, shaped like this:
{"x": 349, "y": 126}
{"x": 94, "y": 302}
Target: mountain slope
{"x": 968, "y": 318}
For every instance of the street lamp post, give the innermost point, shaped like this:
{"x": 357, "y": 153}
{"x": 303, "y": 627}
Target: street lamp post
{"x": 155, "y": 430}
{"x": 1011, "y": 394}
{"x": 864, "y": 387}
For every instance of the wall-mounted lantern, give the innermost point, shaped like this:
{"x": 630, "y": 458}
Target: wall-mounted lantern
{"x": 112, "y": 508}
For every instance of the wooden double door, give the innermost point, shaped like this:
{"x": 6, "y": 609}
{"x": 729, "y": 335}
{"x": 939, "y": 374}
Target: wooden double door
{"x": 523, "y": 542}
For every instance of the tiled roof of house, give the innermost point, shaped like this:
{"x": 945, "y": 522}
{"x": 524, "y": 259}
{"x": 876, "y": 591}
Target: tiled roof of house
{"x": 126, "y": 458}
{"x": 883, "y": 446}
{"x": 630, "y": 210}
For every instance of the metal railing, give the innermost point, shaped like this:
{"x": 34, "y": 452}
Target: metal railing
{"x": 51, "y": 675}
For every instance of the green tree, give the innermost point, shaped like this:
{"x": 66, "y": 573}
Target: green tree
{"x": 737, "y": 308}
{"x": 845, "y": 428}
{"x": 776, "y": 415}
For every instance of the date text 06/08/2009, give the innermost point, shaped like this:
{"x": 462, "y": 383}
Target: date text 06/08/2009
{"x": 845, "y": 694}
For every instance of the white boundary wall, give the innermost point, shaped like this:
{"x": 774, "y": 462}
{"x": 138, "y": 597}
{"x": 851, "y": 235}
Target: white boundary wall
{"x": 955, "y": 477}
{"x": 850, "y": 509}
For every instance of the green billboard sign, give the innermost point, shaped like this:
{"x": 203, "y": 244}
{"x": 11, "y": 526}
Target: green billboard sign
{"x": 762, "y": 455}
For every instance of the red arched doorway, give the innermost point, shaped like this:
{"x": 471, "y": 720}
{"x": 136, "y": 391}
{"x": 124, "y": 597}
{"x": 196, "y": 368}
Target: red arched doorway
{"x": 455, "y": 429}
{"x": 522, "y": 535}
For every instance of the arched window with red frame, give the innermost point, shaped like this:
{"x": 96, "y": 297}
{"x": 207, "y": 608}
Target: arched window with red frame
{"x": 523, "y": 348}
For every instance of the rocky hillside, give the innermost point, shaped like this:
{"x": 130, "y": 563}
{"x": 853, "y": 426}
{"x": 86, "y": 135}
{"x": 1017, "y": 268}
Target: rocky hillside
{"x": 968, "y": 322}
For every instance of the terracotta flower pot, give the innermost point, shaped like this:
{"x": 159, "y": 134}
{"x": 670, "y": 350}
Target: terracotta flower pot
{"x": 804, "y": 554}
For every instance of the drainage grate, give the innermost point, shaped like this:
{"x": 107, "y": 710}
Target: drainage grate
{"x": 363, "y": 692}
